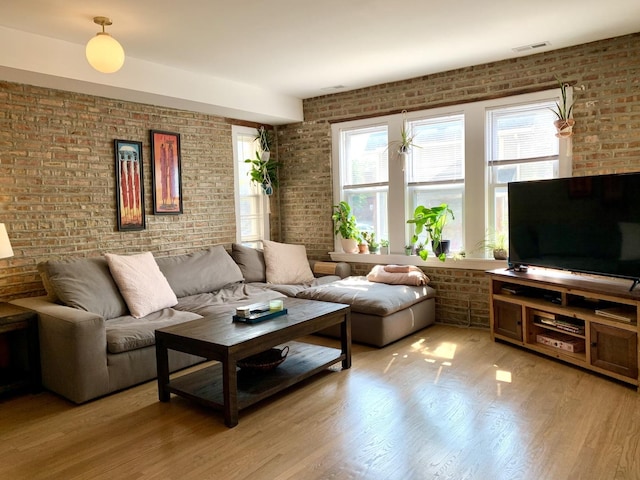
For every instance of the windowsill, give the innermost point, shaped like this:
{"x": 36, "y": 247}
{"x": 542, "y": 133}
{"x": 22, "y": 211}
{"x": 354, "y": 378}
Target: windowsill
{"x": 401, "y": 259}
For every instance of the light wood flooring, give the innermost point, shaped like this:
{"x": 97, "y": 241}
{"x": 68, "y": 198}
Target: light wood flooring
{"x": 446, "y": 403}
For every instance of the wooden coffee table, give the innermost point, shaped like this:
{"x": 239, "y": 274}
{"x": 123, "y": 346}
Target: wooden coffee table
{"x": 221, "y": 385}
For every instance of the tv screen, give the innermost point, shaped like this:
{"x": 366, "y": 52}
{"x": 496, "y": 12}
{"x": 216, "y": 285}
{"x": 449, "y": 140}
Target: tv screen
{"x": 583, "y": 224}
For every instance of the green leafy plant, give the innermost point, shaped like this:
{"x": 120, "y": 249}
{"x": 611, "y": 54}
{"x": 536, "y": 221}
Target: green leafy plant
{"x": 384, "y": 242}
{"x": 345, "y": 221}
{"x": 432, "y": 221}
{"x": 264, "y": 173}
{"x": 563, "y": 110}
{"x": 370, "y": 239}
{"x": 496, "y": 243}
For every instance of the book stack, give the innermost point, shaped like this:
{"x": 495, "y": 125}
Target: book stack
{"x": 565, "y": 324}
{"x": 257, "y": 312}
{"x": 622, "y": 313}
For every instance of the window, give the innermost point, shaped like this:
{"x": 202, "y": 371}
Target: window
{"x": 521, "y": 146}
{"x": 464, "y": 156}
{"x": 252, "y": 219}
{"x": 435, "y": 169}
{"x": 365, "y": 177}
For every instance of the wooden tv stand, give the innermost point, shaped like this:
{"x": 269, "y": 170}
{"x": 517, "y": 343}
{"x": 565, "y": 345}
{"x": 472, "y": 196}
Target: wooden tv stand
{"x": 554, "y": 313}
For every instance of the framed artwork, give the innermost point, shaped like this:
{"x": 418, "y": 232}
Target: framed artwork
{"x": 129, "y": 185}
{"x": 166, "y": 169}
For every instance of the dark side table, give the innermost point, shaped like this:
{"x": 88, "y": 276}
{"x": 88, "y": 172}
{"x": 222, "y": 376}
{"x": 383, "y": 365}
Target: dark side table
{"x": 19, "y": 349}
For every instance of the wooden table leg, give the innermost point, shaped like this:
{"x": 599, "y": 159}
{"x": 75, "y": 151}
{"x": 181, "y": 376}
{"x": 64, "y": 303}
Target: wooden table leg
{"x": 345, "y": 340}
{"x": 162, "y": 366}
{"x": 230, "y": 392}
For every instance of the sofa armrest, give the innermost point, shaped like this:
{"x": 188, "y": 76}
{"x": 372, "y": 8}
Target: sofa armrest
{"x": 341, "y": 269}
{"x": 73, "y": 349}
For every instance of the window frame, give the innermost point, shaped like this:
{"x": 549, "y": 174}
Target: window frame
{"x": 236, "y": 132}
{"x": 476, "y": 199}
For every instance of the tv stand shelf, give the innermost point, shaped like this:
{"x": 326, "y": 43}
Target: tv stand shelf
{"x": 586, "y": 321}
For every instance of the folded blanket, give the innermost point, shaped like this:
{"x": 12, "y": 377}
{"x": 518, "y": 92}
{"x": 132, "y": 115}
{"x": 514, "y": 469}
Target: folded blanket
{"x": 414, "y": 276}
{"x": 401, "y": 268}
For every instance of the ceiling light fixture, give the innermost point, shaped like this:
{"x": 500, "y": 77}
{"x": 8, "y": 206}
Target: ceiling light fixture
{"x": 104, "y": 53}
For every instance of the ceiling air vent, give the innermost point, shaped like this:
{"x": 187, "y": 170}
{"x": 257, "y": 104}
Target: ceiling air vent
{"x": 533, "y": 46}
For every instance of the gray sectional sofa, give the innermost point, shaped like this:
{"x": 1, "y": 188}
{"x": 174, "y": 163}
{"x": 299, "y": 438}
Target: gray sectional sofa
{"x": 91, "y": 344}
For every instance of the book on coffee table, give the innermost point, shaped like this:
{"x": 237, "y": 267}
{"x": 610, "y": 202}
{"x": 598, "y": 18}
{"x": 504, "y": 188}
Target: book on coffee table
{"x": 259, "y": 316}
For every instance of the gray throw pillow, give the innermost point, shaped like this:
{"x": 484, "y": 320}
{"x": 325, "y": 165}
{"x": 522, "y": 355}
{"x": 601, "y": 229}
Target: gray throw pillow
{"x": 84, "y": 283}
{"x": 199, "y": 272}
{"x": 251, "y": 262}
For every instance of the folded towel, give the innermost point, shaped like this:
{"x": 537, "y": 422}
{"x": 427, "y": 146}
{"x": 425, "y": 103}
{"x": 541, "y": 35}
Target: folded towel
{"x": 414, "y": 277}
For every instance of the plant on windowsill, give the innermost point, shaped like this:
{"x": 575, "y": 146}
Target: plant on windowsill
{"x": 496, "y": 243}
{"x": 564, "y": 124}
{"x": 384, "y": 246}
{"x": 370, "y": 239}
{"x": 432, "y": 221}
{"x": 345, "y": 225}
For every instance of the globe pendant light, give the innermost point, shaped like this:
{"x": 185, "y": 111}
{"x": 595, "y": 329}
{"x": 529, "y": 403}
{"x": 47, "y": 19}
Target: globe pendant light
{"x": 104, "y": 53}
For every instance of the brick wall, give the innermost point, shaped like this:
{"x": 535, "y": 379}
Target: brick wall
{"x": 58, "y": 186}
{"x": 606, "y": 139}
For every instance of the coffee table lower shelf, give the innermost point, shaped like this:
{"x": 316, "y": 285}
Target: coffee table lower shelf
{"x": 304, "y": 360}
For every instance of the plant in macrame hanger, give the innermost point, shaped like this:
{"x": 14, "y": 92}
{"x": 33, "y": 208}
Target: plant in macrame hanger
{"x": 564, "y": 124}
{"x": 406, "y": 140}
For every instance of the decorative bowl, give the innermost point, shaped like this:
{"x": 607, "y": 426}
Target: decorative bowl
{"x": 264, "y": 361}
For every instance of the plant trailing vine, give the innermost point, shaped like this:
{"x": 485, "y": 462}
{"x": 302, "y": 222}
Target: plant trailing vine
{"x": 264, "y": 172}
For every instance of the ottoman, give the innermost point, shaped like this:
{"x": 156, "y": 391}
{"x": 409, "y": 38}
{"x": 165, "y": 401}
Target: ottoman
{"x": 380, "y": 313}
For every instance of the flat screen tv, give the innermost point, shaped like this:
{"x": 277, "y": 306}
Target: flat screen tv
{"x": 582, "y": 224}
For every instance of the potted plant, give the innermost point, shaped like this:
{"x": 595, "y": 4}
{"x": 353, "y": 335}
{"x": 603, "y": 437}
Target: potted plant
{"x": 363, "y": 246}
{"x": 264, "y": 172}
{"x": 408, "y": 250}
{"x": 384, "y": 246}
{"x": 370, "y": 239}
{"x": 432, "y": 220}
{"x": 264, "y": 139}
{"x": 345, "y": 225}
{"x": 564, "y": 124}
{"x": 496, "y": 243}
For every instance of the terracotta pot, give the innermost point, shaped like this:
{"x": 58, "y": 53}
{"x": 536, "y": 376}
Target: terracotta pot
{"x": 363, "y": 248}
{"x": 564, "y": 127}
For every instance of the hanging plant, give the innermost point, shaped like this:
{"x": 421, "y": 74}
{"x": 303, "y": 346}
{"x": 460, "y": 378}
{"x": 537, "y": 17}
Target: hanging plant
{"x": 564, "y": 124}
{"x": 406, "y": 139}
{"x": 264, "y": 139}
{"x": 264, "y": 173}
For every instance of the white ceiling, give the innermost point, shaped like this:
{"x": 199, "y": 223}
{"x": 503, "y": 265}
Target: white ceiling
{"x": 213, "y": 54}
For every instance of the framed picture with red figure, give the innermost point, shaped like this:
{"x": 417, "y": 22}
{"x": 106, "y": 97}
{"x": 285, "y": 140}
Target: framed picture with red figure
{"x": 129, "y": 185}
{"x": 166, "y": 170}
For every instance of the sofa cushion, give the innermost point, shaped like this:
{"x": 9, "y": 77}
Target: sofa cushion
{"x": 129, "y": 333}
{"x": 293, "y": 290}
{"x": 286, "y": 264}
{"x": 251, "y": 262}
{"x": 84, "y": 283}
{"x": 368, "y": 297}
{"x": 141, "y": 283}
{"x": 200, "y": 272}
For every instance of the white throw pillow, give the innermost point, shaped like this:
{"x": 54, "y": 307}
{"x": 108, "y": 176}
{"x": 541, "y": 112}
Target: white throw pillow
{"x": 286, "y": 264}
{"x": 141, "y": 283}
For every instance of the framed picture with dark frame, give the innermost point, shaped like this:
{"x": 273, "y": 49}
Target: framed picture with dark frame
{"x": 167, "y": 175}
{"x": 129, "y": 185}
